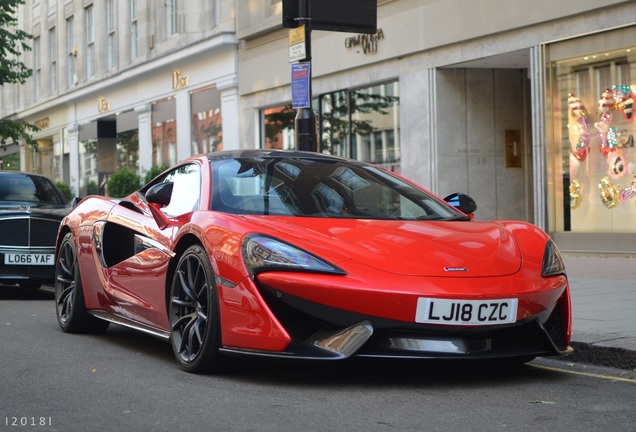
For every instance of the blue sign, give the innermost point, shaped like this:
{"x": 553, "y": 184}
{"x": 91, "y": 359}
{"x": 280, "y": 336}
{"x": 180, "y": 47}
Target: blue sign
{"x": 300, "y": 84}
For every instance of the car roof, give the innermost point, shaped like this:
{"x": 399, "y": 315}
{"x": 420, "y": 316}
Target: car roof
{"x": 266, "y": 154}
{"x": 23, "y": 173}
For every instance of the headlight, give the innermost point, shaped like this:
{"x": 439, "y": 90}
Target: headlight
{"x": 265, "y": 253}
{"x": 552, "y": 261}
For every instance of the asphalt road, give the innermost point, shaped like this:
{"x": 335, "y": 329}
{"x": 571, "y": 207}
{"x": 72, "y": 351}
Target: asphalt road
{"x": 125, "y": 381}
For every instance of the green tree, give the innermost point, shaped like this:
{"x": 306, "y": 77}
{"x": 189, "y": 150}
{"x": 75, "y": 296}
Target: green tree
{"x": 91, "y": 188}
{"x": 128, "y": 149}
{"x": 13, "y": 42}
{"x": 154, "y": 171}
{"x": 122, "y": 182}
{"x": 66, "y": 189}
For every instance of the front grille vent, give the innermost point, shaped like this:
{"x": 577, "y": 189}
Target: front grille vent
{"x": 28, "y": 232}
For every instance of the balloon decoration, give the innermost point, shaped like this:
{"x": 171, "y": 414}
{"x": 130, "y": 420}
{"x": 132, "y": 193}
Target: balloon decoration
{"x": 614, "y": 142}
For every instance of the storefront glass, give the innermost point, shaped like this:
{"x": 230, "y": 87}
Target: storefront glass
{"x": 592, "y": 98}
{"x": 207, "y": 121}
{"x": 128, "y": 149}
{"x": 127, "y": 140}
{"x": 361, "y": 124}
{"x": 90, "y": 181}
{"x": 277, "y": 129}
{"x": 164, "y": 132}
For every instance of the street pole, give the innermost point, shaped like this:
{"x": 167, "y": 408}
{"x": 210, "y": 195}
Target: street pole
{"x": 305, "y": 121}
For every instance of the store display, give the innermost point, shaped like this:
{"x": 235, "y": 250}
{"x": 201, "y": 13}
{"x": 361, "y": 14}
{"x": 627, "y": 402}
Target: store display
{"x": 628, "y": 192}
{"x": 575, "y": 193}
{"x": 614, "y": 139}
{"x": 609, "y": 193}
{"x": 626, "y": 105}
{"x": 578, "y": 111}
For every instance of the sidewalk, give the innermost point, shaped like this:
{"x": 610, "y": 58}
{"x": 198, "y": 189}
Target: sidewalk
{"x": 604, "y": 310}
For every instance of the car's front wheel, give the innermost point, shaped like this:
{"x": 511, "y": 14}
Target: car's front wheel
{"x": 69, "y": 293}
{"x": 193, "y": 312}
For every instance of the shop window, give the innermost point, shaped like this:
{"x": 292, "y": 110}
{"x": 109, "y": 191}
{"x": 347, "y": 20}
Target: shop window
{"x": 164, "y": 132}
{"x": 361, "y": 124}
{"x": 594, "y": 141}
{"x": 277, "y": 128}
{"x": 128, "y": 149}
{"x": 207, "y": 121}
{"x": 127, "y": 140}
{"x": 89, "y": 179}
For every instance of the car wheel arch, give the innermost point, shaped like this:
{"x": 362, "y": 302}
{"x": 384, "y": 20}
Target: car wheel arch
{"x": 184, "y": 243}
{"x": 64, "y": 229}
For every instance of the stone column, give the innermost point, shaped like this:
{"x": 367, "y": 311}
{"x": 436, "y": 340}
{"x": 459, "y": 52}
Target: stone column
{"x": 184, "y": 125}
{"x": 74, "y": 166}
{"x": 230, "y": 112}
{"x": 144, "y": 118}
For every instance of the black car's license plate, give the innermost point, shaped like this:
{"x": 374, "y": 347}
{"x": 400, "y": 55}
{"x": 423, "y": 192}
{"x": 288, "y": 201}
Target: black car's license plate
{"x": 29, "y": 259}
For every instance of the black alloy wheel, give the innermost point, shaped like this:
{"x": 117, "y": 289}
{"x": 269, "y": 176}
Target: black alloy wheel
{"x": 69, "y": 293}
{"x": 193, "y": 314}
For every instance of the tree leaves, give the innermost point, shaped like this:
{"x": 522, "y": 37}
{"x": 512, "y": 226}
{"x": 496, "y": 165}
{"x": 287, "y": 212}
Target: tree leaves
{"x": 13, "y": 43}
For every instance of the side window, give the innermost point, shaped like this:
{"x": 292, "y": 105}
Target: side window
{"x": 186, "y": 191}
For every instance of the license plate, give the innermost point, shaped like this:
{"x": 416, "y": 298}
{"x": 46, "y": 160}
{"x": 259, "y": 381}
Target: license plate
{"x": 29, "y": 259}
{"x": 466, "y": 312}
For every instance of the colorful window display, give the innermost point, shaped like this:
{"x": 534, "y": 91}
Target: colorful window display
{"x": 594, "y": 123}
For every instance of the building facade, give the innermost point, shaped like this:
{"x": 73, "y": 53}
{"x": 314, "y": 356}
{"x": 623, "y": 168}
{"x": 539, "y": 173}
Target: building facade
{"x": 134, "y": 83}
{"x": 524, "y": 106}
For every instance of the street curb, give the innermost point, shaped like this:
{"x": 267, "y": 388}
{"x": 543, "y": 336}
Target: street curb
{"x": 618, "y": 358}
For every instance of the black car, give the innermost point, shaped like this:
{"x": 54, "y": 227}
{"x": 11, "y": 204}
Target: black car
{"x": 31, "y": 208}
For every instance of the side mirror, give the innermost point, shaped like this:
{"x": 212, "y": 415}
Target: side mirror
{"x": 462, "y": 202}
{"x": 158, "y": 196}
{"x": 75, "y": 201}
{"x": 160, "y": 193}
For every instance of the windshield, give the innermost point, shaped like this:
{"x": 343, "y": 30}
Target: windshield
{"x": 26, "y": 188}
{"x": 321, "y": 187}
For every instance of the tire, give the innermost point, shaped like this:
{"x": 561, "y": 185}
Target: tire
{"x": 193, "y": 312}
{"x": 69, "y": 293}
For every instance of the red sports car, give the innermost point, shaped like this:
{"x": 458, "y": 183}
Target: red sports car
{"x": 300, "y": 255}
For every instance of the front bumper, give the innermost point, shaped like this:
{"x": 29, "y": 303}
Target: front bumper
{"x": 319, "y": 332}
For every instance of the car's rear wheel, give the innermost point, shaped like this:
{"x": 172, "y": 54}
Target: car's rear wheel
{"x": 194, "y": 314}
{"x": 69, "y": 293}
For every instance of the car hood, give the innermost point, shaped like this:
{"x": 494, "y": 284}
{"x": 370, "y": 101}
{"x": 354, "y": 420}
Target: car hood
{"x": 423, "y": 248}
